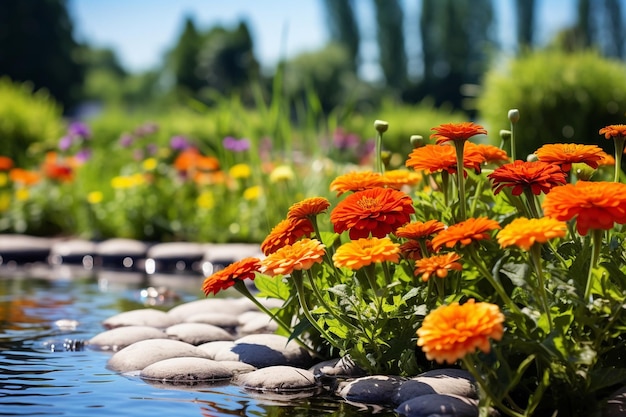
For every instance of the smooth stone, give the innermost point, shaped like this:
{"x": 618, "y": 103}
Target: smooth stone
{"x": 225, "y": 254}
{"x": 142, "y": 317}
{"x": 223, "y": 320}
{"x": 615, "y": 405}
{"x": 440, "y": 405}
{"x": 260, "y": 323}
{"x": 277, "y": 379}
{"x": 197, "y": 333}
{"x": 234, "y": 306}
{"x": 120, "y": 337}
{"x": 175, "y": 257}
{"x": 186, "y": 370}
{"x": 340, "y": 368}
{"x": 73, "y": 251}
{"x": 146, "y": 352}
{"x": 22, "y": 249}
{"x": 121, "y": 246}
{"x": 212, "y": 348}
{"x": 238, "y": 368}
{"x": 375, "y": 389}
{"x": 438, "y": 381}
{"x": 263, "y": 350}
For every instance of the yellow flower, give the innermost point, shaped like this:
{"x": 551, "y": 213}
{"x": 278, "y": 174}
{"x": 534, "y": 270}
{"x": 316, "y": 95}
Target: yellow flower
{"x": 282, "y": 173}
{"x": 95, "y": 197}
{"x": 252, "y": 193}
{"x": 149, "y": 164}
{"x": 523, "y": 232}
{"x": 22, "y": 194}
{"x": 240, "y": 171}
{"x": 127, "y": 181}
{"x": 4, "y": 179}
{"x": 5, "y": 201}
{"x": 206, "y": 200}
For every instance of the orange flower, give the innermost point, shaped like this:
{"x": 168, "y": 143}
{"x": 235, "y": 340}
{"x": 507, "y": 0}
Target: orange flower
{"x": 190, "y": 160}
{"x": 226, "y": 278}
{"x": 6, "y": 163}
{"x": 420, "y": 230}
{"x": 22, "y": 176}
{"x": 490, "y": 153}
{"x": 450, "y": 332}
{"x": 520, "y": 175}
{"x": 363, "y": 252}
{"x": 456, "y": 132}
{"x": 613, "y": 131}
{"x": 57, "y": 169}
{"x": 566, "y": 154}
{"x": 524, "y": 233}
{"x": 398, "y": 178}
{"x": 466, "y": 232}
{"x": 594, "y": 205}
{"x": 299, "y": 256}
{"x": 308, "y": 207}
{"x": 411, "y": 249}
{"x": 378, "y": 211}
{"x": 286, "y": 233}
{"x": 438, "y": 265}
{"x": 356, "y": 181}
{"x": 435, "y": 158}
{"x": 606, "y": 159}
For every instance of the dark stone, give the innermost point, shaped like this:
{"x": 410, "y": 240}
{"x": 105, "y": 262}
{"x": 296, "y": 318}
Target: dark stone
{"x": 439, "y": 405}
{"x": 376, "y": 389}
{"x": 22, "y": 249}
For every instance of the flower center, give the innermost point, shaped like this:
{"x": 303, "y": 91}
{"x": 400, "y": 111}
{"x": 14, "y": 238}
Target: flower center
{"x": 368, "y": 203}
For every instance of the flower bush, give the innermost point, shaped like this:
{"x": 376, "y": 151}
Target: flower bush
{"x": 513, "y": 270}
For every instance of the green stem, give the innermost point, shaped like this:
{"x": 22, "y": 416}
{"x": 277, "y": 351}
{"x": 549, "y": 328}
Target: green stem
{"x": 535, "y": 254}
{"x": 378, "y": 160}
{"x": 596, "y": 245}
{"x": 445, "y": 186}
{"x": 323, "y": 302}
{"x": 530, "y": 199}
{"x": 459, "y": 146}
{"x": 479, "y": 190}
{"x": 619, "y": 150}
{"x": 513, "y": 141}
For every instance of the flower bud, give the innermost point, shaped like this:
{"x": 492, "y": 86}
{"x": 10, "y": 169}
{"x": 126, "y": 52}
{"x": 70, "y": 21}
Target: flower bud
{"x": 381, "y": 126}
{"x": 514, "y": 115}
{"x": 505, "y": 134}
{"x": 385, "y": 157}
{"x": 417, "y": 141}
{"x": 583, "y": 171}
{"x": 532, "y": 158}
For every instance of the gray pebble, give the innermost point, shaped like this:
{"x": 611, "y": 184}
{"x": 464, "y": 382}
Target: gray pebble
{"x": 615, "y": 405}
{"x": 278, "y": 379}
{"x": 146, "y": 352}
{"x": 438, "y": 381}
{"x": 263, "y": 350}
{"x": 233, "y": 306}
{"x": 439, "y": 405}
{"x": 223, "y": 320}
{"x": 197, "y": 333}
{"x": 375, "y": 389}
{"x": 120, "y": 337}
{"x": 212, "y": 348}
{"x": 142, "y": 317}
{"x": 186, "y": 370}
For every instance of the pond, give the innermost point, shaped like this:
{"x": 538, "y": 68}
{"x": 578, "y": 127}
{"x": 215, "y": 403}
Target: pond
{"x": 44, "y": 370}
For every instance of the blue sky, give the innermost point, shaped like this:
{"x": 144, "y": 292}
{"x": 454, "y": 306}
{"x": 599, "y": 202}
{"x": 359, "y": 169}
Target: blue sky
{"x": 142, "y": 30}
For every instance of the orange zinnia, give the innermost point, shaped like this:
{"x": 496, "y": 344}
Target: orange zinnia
{"x": 420, "y": 230}
{"x": 466, "y": 232}
{"x": 520, "y": 175}
{"x": 363, "y": 252}
{"x": 378, "y": 211}
{"x": 435, "y": 158}
{"x": 356, "y": 181}
{"x": 226, "y": 278}
{"x": 438, "y": 265}
{"x": 613, "y": 131}
{"x": 490, "y": 153}
{"x": 450, "y": 332}
{"x": 524, "y": 233}
{"x": 398, "y": 178}
{"x": 299, "y": 256}
{"x": 566, "y": 154}
{"x": 411, "y": 249}
{"x": 285, "y": 233}
{"x": 6, "y": 163}
{"x": 308, "y": 207}
{"x": 22, "y": 176}
{"x": 456, "y": 132}
{"x": 594, "y": 205}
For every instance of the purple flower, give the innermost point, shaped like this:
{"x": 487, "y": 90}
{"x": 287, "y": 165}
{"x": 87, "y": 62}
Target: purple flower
{"x": 344, "y": 141}
{"x": 79, "y": 129}
{"x": 152, "y": 149}
{"x": 146, "y": 129}
{"x": 179, "y": 143}
{"x": 65, "y": 143}
{"x": 236, "y": 145}
{"x": 83, "y": 155}
{"x": 126, "y": 140}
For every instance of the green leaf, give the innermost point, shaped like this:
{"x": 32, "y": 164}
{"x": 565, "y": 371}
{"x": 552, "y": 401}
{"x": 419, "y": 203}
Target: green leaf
{"x": 272, "y": 287}
{"x": 518, "y": 273}
{"x": 606, "y": 377}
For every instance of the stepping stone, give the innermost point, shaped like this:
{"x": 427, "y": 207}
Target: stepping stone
{"x": 238, "y": 368}
{"x": 186, "y": 371}
{"x": 440, "y": 405}
{"x": 175, "y": 257}
{"x": 234, "y": 306}
{"x": 212, "y": 348}
{"x": 223, "y": 320}
{"x": 119, "y": 253}
{"x": 73, "y": 252}
{"x": 375, "y": 389}
{"x": 338, "y": 368}
{"x": 222, "y": 255}
{"x": 23, "y": 249}
{"x": 438, "y": 381}
{"x": 278, "y": 379}
{"x": 263, "y": 350}
{"x": 141, "y": 317}
{"x": 146, "y": 352}
{"x": 615, "y": 405}
{"x": 120, "y": 337}
{"x": 258, "y": 323}
{"x": 197, "y": 333}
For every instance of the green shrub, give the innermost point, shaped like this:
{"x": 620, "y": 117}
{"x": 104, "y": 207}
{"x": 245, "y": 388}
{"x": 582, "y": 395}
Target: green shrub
{"x": 561, "y": 97}
{"x": 28, "y": 119}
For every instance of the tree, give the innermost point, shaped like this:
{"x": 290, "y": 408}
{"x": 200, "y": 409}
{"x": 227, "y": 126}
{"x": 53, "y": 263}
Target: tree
{"x": 37, "y": 45}
{"x": 525, "y": 23}
{"x": 390, "y": 35}
{"x": 343, "y": 27}
{"x": 184, "y": 58}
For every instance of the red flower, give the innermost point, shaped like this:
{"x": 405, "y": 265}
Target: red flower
{"x": 537, "y": 176}
{"x": 226, "y": 278}
{"x": 376, "y": 211}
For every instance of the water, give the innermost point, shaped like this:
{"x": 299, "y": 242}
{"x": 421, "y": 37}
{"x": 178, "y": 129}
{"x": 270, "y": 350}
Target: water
{"x": 44, "y": 316}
